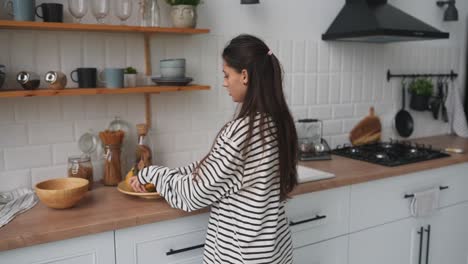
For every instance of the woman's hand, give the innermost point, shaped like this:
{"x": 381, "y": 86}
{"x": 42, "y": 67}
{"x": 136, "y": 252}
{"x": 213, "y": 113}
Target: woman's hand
{"x": 136, "y": 185}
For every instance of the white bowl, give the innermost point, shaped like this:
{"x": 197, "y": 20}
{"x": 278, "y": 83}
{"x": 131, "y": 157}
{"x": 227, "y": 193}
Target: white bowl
{"x": 173, "y": 72}
{"x": 172, "y": 63}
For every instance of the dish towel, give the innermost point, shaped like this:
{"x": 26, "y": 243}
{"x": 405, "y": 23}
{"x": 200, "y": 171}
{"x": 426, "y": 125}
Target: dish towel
{"x": 456, "y": 113}
{"x": 425, "y": 203}
{"x": 14, "y": 203}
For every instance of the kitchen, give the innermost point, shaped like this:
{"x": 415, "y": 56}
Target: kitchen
{"x": 336, "y": 82}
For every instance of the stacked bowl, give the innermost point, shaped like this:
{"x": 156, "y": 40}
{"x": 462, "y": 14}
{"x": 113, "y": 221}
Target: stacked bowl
{"x": 172, "y": 73}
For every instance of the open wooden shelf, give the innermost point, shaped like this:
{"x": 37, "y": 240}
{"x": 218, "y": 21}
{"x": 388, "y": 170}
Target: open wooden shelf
{"x": 94, "y": 91}
{"x": 30, "y": 25}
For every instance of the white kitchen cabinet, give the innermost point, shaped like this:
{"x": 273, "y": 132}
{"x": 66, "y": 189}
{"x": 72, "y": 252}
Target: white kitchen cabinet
{"x": 318, "y": 216}
{"x": 333, "y": 251}
{"x": 382, "y": 201}
{"x": 92, "y": 249}
{"x": 448, "y": 236}
{"x": 391, "y": 243}
{"x": 175, "y": 241}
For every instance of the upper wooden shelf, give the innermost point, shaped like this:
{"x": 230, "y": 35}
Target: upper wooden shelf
{"x": 93, "y": 91}
{"x": 28, "y": 25}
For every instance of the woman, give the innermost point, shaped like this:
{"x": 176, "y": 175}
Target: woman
{"x": 250, "y": 169}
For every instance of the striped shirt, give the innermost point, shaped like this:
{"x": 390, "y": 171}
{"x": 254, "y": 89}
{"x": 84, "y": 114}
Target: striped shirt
{"x": 247, "y": 221}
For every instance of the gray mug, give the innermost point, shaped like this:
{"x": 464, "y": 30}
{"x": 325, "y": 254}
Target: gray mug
{"x": 23, "y": 10}
{"x": 112, "y": 77}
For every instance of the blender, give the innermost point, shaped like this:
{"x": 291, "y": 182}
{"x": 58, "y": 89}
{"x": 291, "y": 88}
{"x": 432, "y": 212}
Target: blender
{"x": 310, "y": 142}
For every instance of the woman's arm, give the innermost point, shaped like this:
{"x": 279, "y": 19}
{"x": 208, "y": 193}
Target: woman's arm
{"x": 220, "y": 175}
{"x": 187, "y": 169}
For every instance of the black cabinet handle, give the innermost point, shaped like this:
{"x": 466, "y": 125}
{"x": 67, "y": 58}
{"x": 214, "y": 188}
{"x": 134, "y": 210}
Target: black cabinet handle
{"x": 420, "y": 233}
{"x": 428, "y": 230}
{"x": 177, "y": 251}
{"x": 317, "y": 217}
{"x": 412, "y": 195}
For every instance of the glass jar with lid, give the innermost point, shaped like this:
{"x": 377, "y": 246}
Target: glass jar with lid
{"x": 81, "y": 167}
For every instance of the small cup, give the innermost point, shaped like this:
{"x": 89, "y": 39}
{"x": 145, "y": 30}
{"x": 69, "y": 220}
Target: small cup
{"x": 51, "y": 12}
{"x": 86, "y": 77}
{"x": 112, "y": 78}
{"x": 57, "y": 80}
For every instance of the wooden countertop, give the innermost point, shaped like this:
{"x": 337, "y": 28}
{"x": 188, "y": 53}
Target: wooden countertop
{"x": 105, "y": 209}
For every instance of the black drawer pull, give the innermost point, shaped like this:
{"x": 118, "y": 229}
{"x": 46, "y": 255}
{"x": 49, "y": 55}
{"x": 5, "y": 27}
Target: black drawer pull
{"x": 428, "y": 230}
{"x": 177, "y": 251}
{"x": 317, "y": 217}
{"x": 412, "y": 195}
{"x": 420, "y": 233}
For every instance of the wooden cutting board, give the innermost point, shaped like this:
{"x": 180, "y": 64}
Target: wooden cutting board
{"x": 368, "y": 130}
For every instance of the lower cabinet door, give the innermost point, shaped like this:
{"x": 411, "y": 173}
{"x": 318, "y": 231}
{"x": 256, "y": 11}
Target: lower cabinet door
{"x": 393, "y": 243}
{"x": 92, "y": 249}
{"x": 448, "y": 236}
{"x": 333, "y": 251}
{"x": 169, "y": 242}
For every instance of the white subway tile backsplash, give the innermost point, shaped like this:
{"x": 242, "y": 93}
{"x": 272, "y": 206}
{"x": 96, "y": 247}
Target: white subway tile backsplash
{"x": 356, "y": 95}
{"x": 7, "y": 110}
{"x": 347, "y": 58}
{"x": 49, "y": 108}
{"x": 48, "y": 133}
{"x": 286, "y": 55}
{"x": 361, "y": 110}
{"x": 95, "y": 106}
{"x": 13, "y": 135}
{"x": 320, "y": 112}
{"x": 299, "y": 112}
{"x": 93, "y": 50}
{"x": 310, "y": 89}
{"x": 115, "y": 50}
{"x": 71, "y": 54}
{"x": 343, "y": 111}
{"x": 349, "y": 124}
{"x": 323, "y": 91}
{"x": 358, "y": 58}
{"x": 335, "y": 89}
{"x": 332, "y": 127}
{"x": 323, "y": 57}
{"x": 46, "y": 56}
{"x": 61, "y": 152}
{"x": 339, "y": 140}
{"x": 26, "y": 109}
{"x": 175, "y": 159}
{"x": 346, "y": 87}
{"x": 299, "y": 56}
{"x": 335, "y": 57}
{"x": 73, "y": 108}
{"x": 43, "y": 174}
{"x": 27, "y": 157}
{"x": 190, "y": 141}
{"x": 2, "y": 163}
{"x": 312, "y": 57}
{"x": 116, "y": 105}
{"x": 15, "y": 179}
{"x": 298, "y": 89}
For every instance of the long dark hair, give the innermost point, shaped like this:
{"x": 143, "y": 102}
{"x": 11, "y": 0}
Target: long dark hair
{"x": 265, "y": 95}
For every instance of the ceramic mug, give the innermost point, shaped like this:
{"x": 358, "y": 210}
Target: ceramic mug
{"x": 21, "y": 10}
{"x": 86, "y": 77}
{"x": 51, "y": 12}
{"x": 112, "y": 77}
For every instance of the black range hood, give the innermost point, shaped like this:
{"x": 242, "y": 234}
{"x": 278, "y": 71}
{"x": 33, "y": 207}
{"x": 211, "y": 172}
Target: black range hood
{"x": 378, "y": 22}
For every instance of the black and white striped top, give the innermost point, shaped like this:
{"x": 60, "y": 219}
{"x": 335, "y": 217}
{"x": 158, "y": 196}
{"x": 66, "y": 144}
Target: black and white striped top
{"x": 247, "y": 222}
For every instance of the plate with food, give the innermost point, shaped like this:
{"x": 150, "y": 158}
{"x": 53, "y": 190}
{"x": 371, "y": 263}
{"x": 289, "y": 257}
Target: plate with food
{"x": 124, "y": 187}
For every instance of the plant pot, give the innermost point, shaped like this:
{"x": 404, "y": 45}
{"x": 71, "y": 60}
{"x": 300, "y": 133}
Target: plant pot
{"x": 130, "y": 80}
{"x": 184, "y": 16}
{"x": 419, "y": 102}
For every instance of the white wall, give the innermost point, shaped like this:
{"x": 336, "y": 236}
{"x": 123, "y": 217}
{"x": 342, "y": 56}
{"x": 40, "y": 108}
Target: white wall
{"x": 336, "y": 82}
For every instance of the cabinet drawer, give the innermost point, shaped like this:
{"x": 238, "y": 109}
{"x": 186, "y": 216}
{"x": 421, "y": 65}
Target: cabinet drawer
{"x": 318, "y": 215}
{"x": 382, "y": 201}
{"x": 333, "y": 251}
{"x": 174, "y": 241}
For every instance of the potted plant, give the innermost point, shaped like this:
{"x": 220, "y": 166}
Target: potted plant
{"x": 184, "y": 13}
{"x": 130, "y": 77}
{"x": 421, "y": 91}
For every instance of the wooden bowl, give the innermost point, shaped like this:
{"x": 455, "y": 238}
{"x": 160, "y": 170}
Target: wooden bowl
{"x": 61, "y": 193}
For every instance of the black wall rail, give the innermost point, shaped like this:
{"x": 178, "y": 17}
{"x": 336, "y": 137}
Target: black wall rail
{"x": 452, "y": 75}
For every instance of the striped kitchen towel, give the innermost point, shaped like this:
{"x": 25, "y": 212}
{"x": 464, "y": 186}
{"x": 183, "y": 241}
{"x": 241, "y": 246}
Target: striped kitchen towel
{"x": 14, "y": 203}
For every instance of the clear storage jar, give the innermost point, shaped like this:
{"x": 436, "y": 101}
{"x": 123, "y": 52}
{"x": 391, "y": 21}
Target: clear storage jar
{"x": 81, "y": 167}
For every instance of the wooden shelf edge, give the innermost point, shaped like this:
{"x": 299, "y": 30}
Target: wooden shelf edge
{"x": 94, "y": 91}
{"x": 31, "y": 25}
